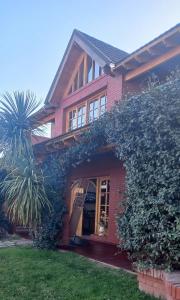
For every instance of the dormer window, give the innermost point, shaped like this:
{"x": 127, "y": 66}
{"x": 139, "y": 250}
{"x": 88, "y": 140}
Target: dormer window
{"x": 88, "y": 70}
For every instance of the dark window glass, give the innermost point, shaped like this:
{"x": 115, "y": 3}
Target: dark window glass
{"x": 76, "y": 82}
{"x": 81, "y": 74}
{"x": 90, "y": 69}
{"x": 96, "y": 70}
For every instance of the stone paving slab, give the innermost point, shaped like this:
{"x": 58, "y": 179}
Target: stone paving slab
{"x": 21, "y": 242}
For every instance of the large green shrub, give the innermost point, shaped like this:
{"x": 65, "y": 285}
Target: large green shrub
{"x": 146, "y": 131}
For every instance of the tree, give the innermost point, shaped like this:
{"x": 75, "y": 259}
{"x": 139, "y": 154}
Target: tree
{"x": 23, "y": 187}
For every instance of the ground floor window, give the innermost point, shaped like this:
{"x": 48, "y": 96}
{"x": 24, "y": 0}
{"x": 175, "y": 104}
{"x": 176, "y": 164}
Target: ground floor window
{"x": 94, "y": 205}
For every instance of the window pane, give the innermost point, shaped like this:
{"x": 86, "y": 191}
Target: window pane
{"x": 100, "y": 71}
{"x": 104, "y": 206}
{"x": 81, "y": 116}
{"x": 89, "y": 67}
{"x": 96, "y": 70}
{"x": 91, "y": 116}
{"x": 103, "y": 100}
{"x": 96, "y": 104}
{"x": 76, "y": 82}
{"x": 72, "y": 120}
{"x": 96, "y": 113}
{"x": 74, "y": 123}
{"x": 81, "y": 74}
{"x": 102, "y": 105}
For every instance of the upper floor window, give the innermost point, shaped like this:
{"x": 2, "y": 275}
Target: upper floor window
{"x": 87, "y": 71}
{"x": 96, "y": 108}
{"x": 77, "y": 118}
{"x": 85, "y": 113}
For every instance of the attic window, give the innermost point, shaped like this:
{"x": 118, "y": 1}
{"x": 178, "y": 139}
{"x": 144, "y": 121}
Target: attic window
{"x": 94, "y": 70}
{"x": 88, "y": 70}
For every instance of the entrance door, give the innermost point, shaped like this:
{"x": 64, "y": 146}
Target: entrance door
{"x": 93, "y": 216}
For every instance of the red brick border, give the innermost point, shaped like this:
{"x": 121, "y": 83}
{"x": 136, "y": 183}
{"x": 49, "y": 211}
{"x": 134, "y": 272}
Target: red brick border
{"x": 160, "y": 284}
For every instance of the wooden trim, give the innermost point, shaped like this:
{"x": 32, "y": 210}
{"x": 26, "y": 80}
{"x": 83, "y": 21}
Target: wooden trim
{"x": 75, "y": 71}
{"x": 152, "y": 43}
{"x": 85, "y": 70}
{"x": 153, "y": 63}
{"x": 97, "y": 217}
{"x": 83, "y": 103}
{"x": 97, "y": 206}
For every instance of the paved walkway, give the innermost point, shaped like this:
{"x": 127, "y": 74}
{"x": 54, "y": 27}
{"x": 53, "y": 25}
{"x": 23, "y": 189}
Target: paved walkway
{"x": 12, "y": 243}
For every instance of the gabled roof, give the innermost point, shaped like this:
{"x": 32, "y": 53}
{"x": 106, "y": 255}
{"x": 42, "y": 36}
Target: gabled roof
{"x": 110, "y": 53}
{"x": 102, "y": 52}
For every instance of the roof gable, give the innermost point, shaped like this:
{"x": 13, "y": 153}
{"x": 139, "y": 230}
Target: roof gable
{"x": 103, "y": 53}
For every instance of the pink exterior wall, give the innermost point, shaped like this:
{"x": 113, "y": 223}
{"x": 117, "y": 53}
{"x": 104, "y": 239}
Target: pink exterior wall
{"x": 112, "y": 86}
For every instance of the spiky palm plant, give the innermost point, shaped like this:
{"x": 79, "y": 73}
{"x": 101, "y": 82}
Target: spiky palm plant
{"x": 23, "y": 187}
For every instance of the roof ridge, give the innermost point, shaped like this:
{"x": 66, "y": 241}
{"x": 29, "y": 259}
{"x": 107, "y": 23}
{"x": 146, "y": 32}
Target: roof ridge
{"x": 81, "y": 32}
{"x": 87, "y": 36}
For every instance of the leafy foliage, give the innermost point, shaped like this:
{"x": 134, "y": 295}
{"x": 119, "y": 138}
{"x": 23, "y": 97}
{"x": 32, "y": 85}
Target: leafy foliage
{"x": 47, "y": 234}
{"x": 5, "y": 225}
{"x": 145, "y": 129}
{"x": 55, "y": 186}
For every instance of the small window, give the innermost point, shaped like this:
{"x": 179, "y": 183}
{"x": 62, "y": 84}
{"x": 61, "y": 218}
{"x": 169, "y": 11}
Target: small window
{"x": 81, "y": 116}
{"x": 90, "y": 69}
{"x": 96, "y": 70}
{"x": 72, "y": 120}
{"x": 76, "y": 82}
{"x": 81, "y": 74}
{"x": 93, "y": 110}
{"x": 102, "y": 105}
{"x": 97, "y": 108}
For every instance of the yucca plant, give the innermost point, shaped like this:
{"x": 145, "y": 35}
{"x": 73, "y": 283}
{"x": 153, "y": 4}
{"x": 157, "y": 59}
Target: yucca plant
{"x": 23, "y": 188}
{"x": 17, "y": 125}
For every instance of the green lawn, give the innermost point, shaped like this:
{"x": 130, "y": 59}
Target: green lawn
{"x": 27, "y": 274}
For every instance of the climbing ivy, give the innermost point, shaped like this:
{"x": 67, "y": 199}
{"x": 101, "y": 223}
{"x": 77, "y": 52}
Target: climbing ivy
{"x": 145, "y": 131}
{"x": 56, "y": 169}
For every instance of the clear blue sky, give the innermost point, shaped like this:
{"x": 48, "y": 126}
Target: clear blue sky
{"x": 35, "y": 33}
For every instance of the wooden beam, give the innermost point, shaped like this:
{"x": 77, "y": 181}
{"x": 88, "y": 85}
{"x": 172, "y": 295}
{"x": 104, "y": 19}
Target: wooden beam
{"x": 153, "y": 63}
{"x": 132, "y": 64}
{"x": 143, "y": 57}
{"x": 156, "y": 51}
{"x": 169, "y": 43}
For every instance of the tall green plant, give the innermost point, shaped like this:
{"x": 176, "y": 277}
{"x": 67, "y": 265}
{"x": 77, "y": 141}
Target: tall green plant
{"x": 23, "y": 187}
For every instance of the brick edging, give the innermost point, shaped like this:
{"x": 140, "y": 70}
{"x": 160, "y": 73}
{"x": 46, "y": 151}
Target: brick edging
{"x": 160, "y": 284}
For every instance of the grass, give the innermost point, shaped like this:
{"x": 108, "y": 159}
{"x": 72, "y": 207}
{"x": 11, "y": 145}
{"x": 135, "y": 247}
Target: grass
{"x": 27, "y": 274}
